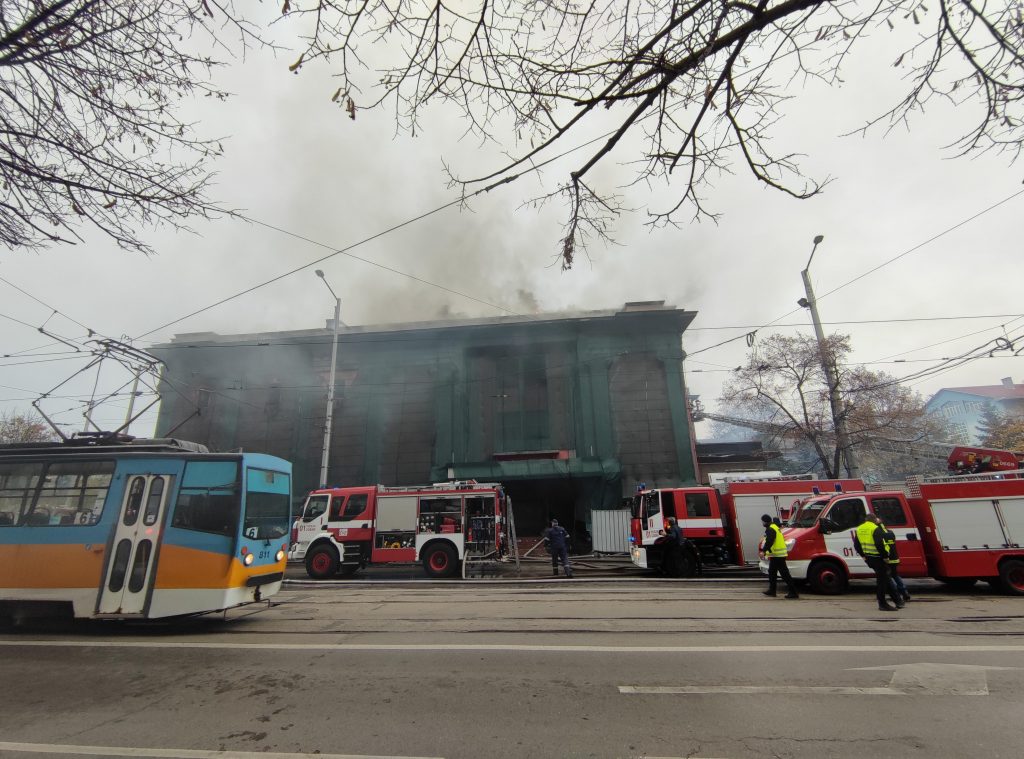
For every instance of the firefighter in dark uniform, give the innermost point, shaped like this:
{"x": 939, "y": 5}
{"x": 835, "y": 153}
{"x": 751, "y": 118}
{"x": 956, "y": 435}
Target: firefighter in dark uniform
{"x": 774, "y": 549}
{"x": 682, "y": 559}
{"x": 557, "y": 540}
{"x": 893, "y": 560}
{"x": 869, "y": 542}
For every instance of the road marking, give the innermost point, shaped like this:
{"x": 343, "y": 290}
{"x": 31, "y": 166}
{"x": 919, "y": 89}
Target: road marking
{"x": 433, "y": 647}
{"x": 177, "y": 753}
{"x": 755, "y": 690}
{"x": 932, "y": 679}
{"x": 919, "y": 679}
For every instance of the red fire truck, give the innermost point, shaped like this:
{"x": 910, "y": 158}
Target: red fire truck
{"x": 966, "y": 460}
{"x": 343, "y": 529}
{"x": 956, "y": 529}
{"x": 724, "y": 524}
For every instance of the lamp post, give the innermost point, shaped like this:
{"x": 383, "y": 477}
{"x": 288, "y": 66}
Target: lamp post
{"x": 829, "y": 367}
{"x": 330, "y": 384}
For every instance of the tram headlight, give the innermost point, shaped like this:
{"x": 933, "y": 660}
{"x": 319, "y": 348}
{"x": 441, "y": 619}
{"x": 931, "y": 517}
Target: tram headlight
{"x": 249, "y": 559}
{"x": 280, "y": 555}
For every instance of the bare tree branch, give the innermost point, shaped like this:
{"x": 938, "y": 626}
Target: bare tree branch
{"x": 701, "y": 81}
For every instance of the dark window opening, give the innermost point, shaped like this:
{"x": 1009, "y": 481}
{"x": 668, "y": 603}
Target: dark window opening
{"x": 316, "y": 505}
{"x": 698, "y": 505}
{"x": 355, "y": 505}
{"x": 119, "y": 567}
{"x": 140, "y": 566}
{"x": 846, "y": 514}
{"x": 131, "y": 509}
{"x": 156, "y": 494}
{"x": 890, "y": 511}
{"x": 209, "y": 499}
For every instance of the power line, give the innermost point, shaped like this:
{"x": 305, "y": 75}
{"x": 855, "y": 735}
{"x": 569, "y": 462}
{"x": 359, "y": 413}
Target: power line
{"x": 867, "y": 321}
{"x": 951, "y": 339}
{"x": 346, "y": 250}
{"x": 870, "y": 271}
{"x": 968, "y": 356}
{"x": 907, "y": 252}
{"x": 47, "y": 305}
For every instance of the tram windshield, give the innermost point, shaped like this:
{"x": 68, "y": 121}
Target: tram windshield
{"x": 267, "y": 505}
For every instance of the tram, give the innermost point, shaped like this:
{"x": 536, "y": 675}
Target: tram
{"x": 126, "y": 528}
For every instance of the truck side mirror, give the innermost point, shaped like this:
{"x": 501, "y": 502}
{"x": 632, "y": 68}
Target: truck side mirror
{"x": 825, "y": 526}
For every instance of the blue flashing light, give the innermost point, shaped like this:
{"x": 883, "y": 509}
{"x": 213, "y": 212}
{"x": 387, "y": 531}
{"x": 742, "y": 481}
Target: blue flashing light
{"x": 839, "y": 487}
{"x": 815, "y": 490}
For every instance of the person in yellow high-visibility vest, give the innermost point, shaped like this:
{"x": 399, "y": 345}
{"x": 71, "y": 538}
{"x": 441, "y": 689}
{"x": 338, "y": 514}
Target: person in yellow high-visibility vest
{"x": 869, "y": 542}
{"x": 774, "y": 549}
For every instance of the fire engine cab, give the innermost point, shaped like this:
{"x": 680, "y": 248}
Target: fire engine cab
{"x": 439, "y": 525}
{"x": 955, "y": 529}
{"x": 723, "y": 522}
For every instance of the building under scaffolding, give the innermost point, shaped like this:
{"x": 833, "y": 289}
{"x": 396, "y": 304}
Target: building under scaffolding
{"x": 568, "y": 411}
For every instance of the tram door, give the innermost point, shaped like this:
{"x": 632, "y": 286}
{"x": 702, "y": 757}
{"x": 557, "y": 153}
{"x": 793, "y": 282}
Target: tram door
{"x": 131, "y": 566}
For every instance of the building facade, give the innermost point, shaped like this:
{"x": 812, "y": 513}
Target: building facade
{"x": 568, "y": 411}
{"x": 962, "y": 407}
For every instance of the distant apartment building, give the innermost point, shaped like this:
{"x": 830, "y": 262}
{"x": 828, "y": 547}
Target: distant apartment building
{"x": 568, "y": 410}
{"x": 962, "y": 407}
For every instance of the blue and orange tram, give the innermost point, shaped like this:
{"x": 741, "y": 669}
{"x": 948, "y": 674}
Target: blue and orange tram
{"x": 121, "y": 528}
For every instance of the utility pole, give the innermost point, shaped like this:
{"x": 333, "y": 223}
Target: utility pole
{"x": 831, "y": 375}
{"x": 330, "y": 384}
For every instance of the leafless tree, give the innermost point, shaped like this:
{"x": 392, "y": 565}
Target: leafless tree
{"x": 783, "y": 383}
{"x": 700, "y": 82}
{"x": 24, "y": 428}
{"x": 89, "y": 131}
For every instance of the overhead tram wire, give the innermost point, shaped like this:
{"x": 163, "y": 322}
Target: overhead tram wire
{"x": 932, "y": 239}
{"x": 922, "y": 244}
{"x": 346, "y": 250}
{"x": 898, "y": 320}
{"x": 47, "y": 305}
{"x": 948, "y": 340}
{"x": 985, "y": 350}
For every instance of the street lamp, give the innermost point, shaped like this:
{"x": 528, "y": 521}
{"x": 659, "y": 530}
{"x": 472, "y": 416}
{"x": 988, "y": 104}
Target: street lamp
{"x": 829, "y": 367}
{"x": 330, "y": 384}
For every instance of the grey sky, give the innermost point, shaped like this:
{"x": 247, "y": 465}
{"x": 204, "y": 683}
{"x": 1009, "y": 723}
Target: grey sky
{"x": 295, "y": 160}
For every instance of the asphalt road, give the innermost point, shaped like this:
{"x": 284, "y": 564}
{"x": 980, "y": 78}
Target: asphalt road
{"x": 591, "y": 668}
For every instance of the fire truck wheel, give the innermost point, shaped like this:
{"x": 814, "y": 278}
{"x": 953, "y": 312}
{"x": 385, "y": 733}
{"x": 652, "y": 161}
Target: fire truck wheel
{"x": 322, "y": 562}
{"x": 827, "y": 577}
{"x": 440, "y": 560}
{"x": 1012, "y": 575}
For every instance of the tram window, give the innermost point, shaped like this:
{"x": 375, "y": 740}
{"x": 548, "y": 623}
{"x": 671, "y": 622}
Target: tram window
{"x": 267, "y": 504}
{"x": 134, "y": 503}
{"x": 137, "y": 578}
{"x": 209, "y": 498}
{"x": 120, "y": 565}
{"x": 71, "y": 494}
{"x": 18, "y": 482}
{"x": 156, "y": 494}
